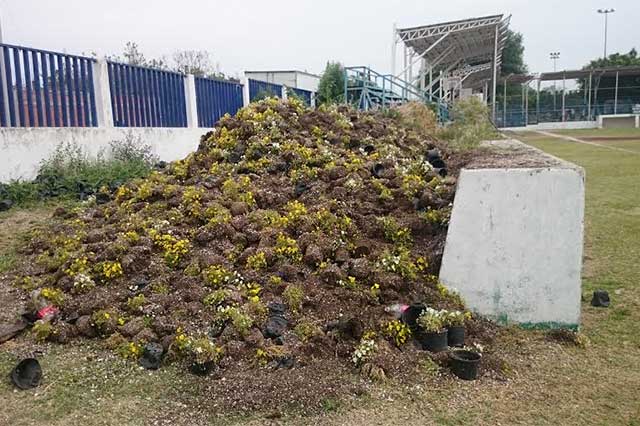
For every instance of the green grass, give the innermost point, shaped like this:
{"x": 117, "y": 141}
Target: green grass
{"x": 631, "y": 133}
{"x": 612, "y": 213}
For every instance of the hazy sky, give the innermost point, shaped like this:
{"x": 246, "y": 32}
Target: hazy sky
{"x": 304, "y": 34}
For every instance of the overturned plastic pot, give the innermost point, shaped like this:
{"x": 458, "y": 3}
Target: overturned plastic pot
{"x": 464, "y": 364}
{"x": 600, "y": 299}
{"x": 202, "y": 368}
{"x": 432, "y": 342}
{"x": 411, "y": 314}
{"x": 27, "y": 374}
{"x": 152, "y": 356}
{"x": 377, "y": 170}
{"x": 455, "y": 336}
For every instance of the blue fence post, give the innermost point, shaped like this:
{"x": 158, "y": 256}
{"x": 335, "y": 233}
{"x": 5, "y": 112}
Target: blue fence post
{"x": 36, "y": 87}
{"x": 45, "y": 87}
{"x": 62, "y": 87}
{"x": 7, "y": 68}
{"x": 77, "y": 94}
{"x": 19, "y": 89}
{"x": 73, "y": 119}
{"x": 85, "y": 93}
{"x": 28, "y": 83}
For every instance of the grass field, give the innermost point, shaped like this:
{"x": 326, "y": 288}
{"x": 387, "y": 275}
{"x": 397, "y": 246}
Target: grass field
{"x": 550, "y": 383}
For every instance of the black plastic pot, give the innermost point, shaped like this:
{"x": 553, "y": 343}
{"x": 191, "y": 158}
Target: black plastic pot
{"x": 152, "y": 356}
{"x": 411, "y": 314}
{"x": 433, "y": 342}
{"x": 27, "y": 374}
{"x": 377, "y": 169}
{"x": 464, "y": 364}
{"x": 202, "y": 369}
{"x": 455, "y": 335}
{"x": 600, "y": 299}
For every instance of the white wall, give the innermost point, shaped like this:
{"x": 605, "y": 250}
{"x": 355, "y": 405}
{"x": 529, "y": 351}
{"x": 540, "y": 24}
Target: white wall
{"x": 514, "y": 244}
{"x": 22, "y": 149}
{"x": 567, "y": 125}
{"x": 308, "y": 82}
{"x": 295, "y": 79}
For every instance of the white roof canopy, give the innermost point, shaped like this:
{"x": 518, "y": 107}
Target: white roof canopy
{"x": 463, "y": 48}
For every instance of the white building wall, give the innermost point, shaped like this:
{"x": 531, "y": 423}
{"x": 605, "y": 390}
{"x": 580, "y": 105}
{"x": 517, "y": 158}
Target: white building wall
{"x": 285, "y": 78}
{"x": 308, "y": 82}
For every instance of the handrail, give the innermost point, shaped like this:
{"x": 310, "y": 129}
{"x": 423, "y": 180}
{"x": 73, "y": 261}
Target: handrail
{"x": 371, "y": 88}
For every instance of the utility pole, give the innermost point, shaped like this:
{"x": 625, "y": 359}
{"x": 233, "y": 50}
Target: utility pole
{"x": 606, "y": 13}
{"x": 554, "y": 56}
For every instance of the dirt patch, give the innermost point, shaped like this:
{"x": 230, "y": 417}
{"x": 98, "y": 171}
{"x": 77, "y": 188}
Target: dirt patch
{"x": 13, "y": 226}
{"x": 510, "y": 154}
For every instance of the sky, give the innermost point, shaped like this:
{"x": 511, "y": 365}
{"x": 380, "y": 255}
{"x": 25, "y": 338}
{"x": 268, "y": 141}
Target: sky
{"x": 304, "y": 34}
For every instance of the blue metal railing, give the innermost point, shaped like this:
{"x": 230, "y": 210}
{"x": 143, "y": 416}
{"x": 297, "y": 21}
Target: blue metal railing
{"x": 260, "y": 89}
{"x": 146, "y": 97}
{"x": 215, "y": 98}
{"x": 366, "y": 89}
{"x": 46, "y": 89}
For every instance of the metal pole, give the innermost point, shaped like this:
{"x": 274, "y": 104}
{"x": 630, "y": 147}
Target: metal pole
{"x": 564, "y": 90}
{"x": 526, "y": 105}
{"x": 606, "y": 22}
{"x": 495, "y": 74}
{"x": 538, "y": 102}
{"x": 504, "y": 104}
{"x": 590, "y": 87}
{"x": 615, "y": 103}
{"x": 410, "y": 80}
{"x": 393, "y": 50}
{"x": 555, "y": 89}
{"x": 406, "y": 54}
{"x": 522, "y": 102}
{"x": 485, "y": 92}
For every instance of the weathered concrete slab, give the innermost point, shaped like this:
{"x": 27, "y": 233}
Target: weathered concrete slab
{"x": 514, "y": 245}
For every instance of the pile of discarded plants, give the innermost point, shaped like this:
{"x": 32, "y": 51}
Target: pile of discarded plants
{"x": 291, "y": 236}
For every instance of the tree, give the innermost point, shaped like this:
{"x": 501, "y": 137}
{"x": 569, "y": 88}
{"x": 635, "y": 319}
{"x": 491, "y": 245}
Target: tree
{"x": 196, "y": 62}
{"x": 331, "y": 86}
{"x": 134, "y": 56}
{"x": 513, "y": 55}
{"x": 616, "y": 60}
{"x": 628, "y": 85}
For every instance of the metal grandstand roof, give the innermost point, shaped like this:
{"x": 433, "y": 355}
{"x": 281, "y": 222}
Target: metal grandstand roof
{"x": 596, "y": 72}
{"x": 461, "y": 43}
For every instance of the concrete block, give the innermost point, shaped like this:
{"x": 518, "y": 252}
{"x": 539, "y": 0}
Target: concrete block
{"x": 514, "y": 244}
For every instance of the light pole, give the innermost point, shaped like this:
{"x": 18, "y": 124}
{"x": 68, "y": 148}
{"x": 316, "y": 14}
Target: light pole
{"x": 554, "y": 56}
{"x": 606, "y": 13}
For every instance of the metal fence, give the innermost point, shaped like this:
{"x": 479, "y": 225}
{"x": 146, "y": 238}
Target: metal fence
{"x": 305, "y": 95}
{"x": 215, "y": 98}
{"x": 46, "y": 89}
{"x": 259, "y": 89}
{"x": 146, "y": 97}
